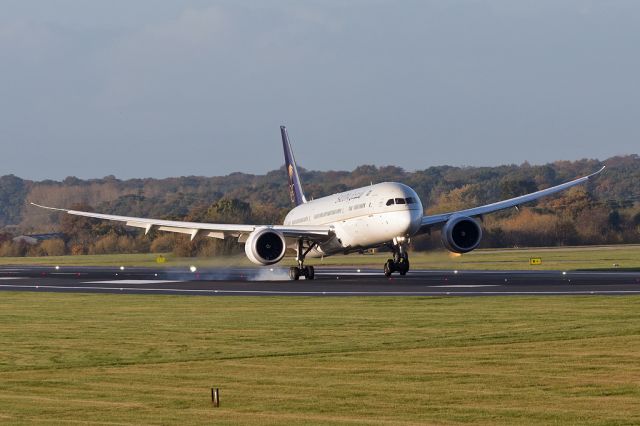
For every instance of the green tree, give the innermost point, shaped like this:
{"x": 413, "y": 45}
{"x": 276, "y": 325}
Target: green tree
{"x": 515, "y": 187}
{"x": 13, "y": 192}
{"x": 615, "y": 220}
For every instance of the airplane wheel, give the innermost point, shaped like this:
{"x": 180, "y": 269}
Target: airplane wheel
{"x": 294, "y": 273}
{"x": 388, "y": 268}
{"x": 310, "y": 273}
{"x": 403, "y": 267}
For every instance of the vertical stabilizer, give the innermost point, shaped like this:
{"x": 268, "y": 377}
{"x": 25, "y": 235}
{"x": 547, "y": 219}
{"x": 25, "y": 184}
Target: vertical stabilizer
{"x": 295, "y": 187}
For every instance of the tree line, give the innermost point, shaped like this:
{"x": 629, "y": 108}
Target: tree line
{"x": 605, "y": 211}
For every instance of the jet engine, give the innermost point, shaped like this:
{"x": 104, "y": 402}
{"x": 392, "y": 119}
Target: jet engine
{"x": 265, "y": 246}
{"x": 461, "y": 234}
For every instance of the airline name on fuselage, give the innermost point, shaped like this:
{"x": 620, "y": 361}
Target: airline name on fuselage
{"x": 354, "y": 204}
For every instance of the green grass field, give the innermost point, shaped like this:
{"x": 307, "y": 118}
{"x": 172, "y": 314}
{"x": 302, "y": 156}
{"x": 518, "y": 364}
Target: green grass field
{"x": 116, "y": 359}
{"x": 569, "y": 258}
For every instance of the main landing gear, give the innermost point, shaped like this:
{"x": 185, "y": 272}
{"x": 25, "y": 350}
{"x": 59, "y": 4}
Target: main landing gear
{"x": 400, "y": 261}
{"x": 295, "y": 272}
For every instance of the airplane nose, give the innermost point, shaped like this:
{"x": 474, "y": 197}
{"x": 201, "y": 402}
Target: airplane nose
{"x": 407, "y": 222}
{"x": 415, "y": 218}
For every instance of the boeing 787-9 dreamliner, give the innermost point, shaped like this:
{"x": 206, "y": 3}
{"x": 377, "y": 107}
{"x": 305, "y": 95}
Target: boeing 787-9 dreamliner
{"x": 385, "y": 214}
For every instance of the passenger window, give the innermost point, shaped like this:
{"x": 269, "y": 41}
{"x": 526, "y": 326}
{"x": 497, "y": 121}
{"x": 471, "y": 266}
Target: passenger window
{"x": 410, "y": 200}
{"x": 399, "y": 200}
{"x": 390, "y": 202}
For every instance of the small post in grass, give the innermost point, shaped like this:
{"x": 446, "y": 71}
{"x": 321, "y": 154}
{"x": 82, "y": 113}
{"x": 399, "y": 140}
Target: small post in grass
{"x": 215, "y": 397}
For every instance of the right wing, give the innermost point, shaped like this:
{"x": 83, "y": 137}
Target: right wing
{"x": 213, "y": 230}
{"x": 438, "y": 219}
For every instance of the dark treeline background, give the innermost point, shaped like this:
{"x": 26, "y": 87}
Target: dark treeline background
{"x": 605, "y": 211}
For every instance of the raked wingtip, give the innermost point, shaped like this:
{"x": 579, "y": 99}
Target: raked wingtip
{"x": 596, "y": 172}
{"x": 45, "y": 207}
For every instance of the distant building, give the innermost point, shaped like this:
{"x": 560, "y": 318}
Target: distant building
{"x": 36, "y": 238}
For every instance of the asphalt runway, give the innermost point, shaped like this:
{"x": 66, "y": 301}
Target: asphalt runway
{"x": 330, "y": 281}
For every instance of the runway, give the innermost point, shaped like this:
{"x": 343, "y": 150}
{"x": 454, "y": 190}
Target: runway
{"x": 329, "y": 282}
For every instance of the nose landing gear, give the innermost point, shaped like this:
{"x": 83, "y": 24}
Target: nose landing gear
{"x": 400, "y": 261}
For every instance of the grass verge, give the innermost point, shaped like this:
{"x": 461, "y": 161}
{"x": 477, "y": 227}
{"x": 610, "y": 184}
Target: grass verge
{"x": 153, "y": 359}
{"x": 559, "y": 258}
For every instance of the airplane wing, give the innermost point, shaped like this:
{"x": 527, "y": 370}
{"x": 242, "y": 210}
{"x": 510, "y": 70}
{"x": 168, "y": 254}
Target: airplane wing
{"x": 438, "y": 219}
{"x": 213, "y": 230}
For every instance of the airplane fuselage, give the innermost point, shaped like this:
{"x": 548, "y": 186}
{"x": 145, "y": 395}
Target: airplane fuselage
{"x": 361, "y": 218}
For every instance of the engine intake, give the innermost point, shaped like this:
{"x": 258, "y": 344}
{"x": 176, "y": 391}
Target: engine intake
{"x": 461, "y": 234}
{"x": 265, "y": 246}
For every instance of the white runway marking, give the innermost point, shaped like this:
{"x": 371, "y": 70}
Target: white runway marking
{"x": 133, "y": 282}
{"x": 465, "y": 285}
{"x": 326, "y": 293}
{"x": 11, "y": 278}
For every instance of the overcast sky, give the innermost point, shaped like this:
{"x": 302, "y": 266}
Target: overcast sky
{"x": 157, "y": 88}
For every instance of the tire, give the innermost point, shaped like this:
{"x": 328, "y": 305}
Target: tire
{"x": 404, "y": 267}
{"x": 294, "y": 273}
{"x": 388, "y": 268}
{"x": 310, "y": 272}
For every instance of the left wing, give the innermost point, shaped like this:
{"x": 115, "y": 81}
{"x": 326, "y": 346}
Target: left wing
{"x": 213, "y": 230}
{"x": 438, "y": 219}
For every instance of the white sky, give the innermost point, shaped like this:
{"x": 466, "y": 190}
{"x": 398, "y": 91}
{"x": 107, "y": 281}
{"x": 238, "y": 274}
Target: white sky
{"x": 156, "y": 88}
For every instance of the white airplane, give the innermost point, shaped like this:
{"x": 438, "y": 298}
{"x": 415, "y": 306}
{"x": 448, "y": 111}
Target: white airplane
{"x": 385, "y": 214}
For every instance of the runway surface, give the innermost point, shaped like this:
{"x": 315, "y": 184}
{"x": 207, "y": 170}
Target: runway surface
{"x": 329, "y": 282}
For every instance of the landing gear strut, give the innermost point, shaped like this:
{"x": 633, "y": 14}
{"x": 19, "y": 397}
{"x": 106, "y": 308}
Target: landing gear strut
{"x": 295, "y": 272}
{"x": 400, "y": 261}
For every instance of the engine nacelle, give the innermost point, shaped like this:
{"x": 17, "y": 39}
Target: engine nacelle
{"x": 461, "y": 234}
{"x": 265, "y": 246}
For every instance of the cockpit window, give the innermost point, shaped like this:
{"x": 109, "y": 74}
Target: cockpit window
{"x": 411, "y": 200}
{"x": 390, "y": 202}
{"x": 399, "y": 200}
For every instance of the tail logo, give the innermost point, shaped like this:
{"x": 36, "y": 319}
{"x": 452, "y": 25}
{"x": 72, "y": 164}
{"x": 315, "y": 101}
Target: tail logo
{"x": 292, "y": 194}
{"x": 295, "y": 188}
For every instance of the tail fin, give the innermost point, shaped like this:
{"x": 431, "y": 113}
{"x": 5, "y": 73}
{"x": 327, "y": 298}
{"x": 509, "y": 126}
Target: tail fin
{"x": 295, "y": 187}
